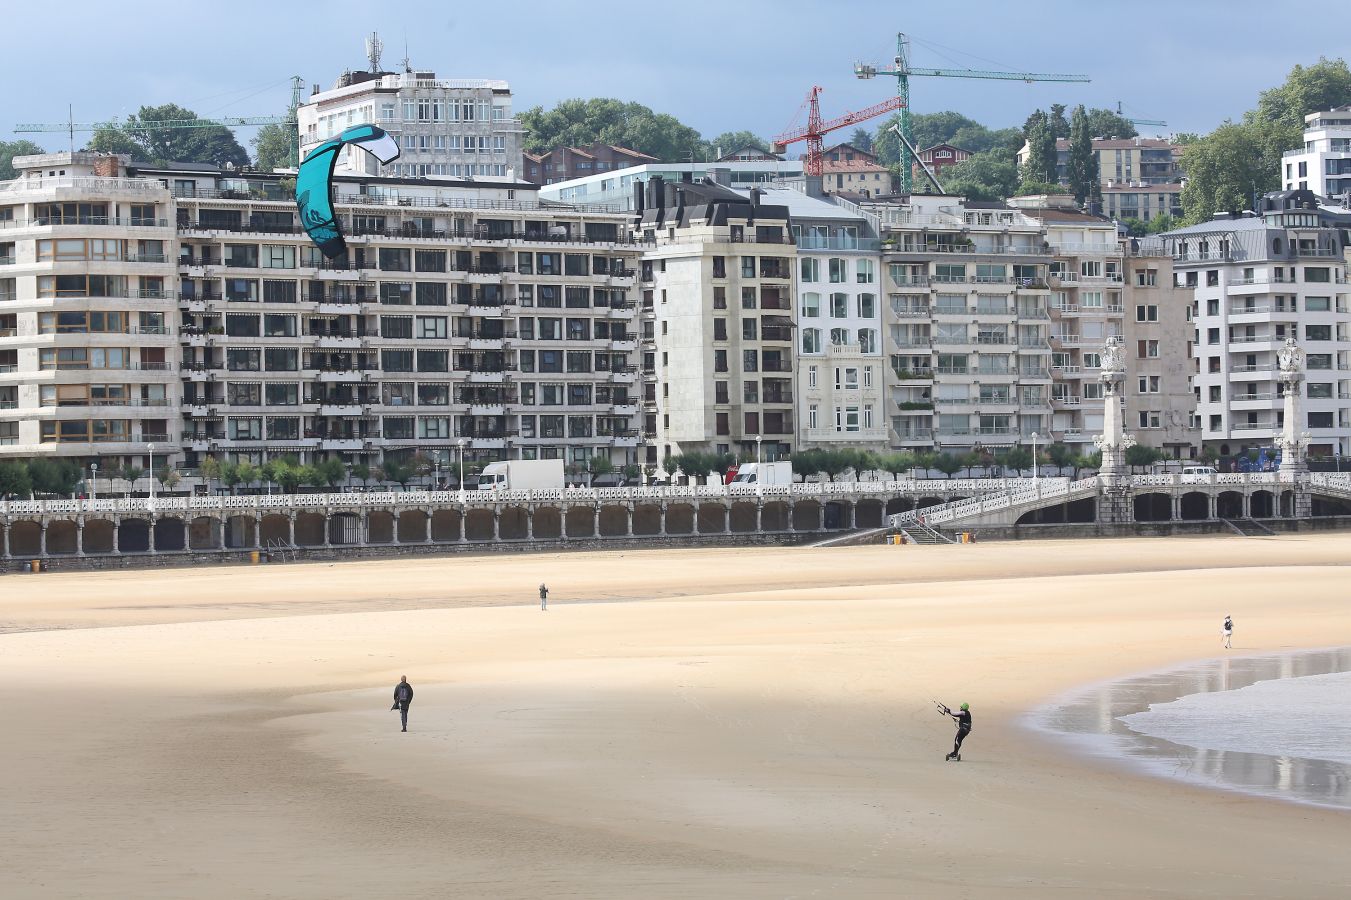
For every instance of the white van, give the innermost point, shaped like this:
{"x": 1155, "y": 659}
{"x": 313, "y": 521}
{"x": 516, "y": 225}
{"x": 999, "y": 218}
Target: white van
{"x": 1200, "y": 470}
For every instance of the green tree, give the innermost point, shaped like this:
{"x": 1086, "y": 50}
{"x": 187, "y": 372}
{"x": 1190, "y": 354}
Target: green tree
{"x": 991, "y": 175}
{"x": 398, "y": 471}
{"x": 331, "y": 471}
{"x": 1278, "y": 120}
{"x": 211, "y": 145}
{"x": 581, "y": 121}
{"x": 1224, "y": 170}
{"x": 286, "y": 474}
{"x": 14, "y": 479}
{"x": 248, "y": 473}
{"x": 1083, "y": 162}
{"x": 209, "y": 469}
{"x": 1017, "y": 459}
{"x": 272, "y": 147}
{"x": 54, "y": 476}
{"x": 1040, "y": 165}
{"x": 131, "y": 475}
{"x": 1160, "y": 224}
{"x": 1060, "y": 126}
{"x": 229, "y": 475}
{"x": 1059, "y": 454}
{"x": 1141, "y": 456}
{"x": 732, "y": 141}
{"x": 11, "y": 149}
{"x": 1103, "y": 123}
{"x": 948, "y": 464}
{"x": 862, "y": 138}
{"x": 601, "y": 465}
{"x": 361, "y": 472}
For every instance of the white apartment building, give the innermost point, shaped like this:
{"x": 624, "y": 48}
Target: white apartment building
{"x": 841, "y": 381}
{"x": 615, "y": 190}
{"x": 967, "y": 327}
{"x": 1258, "y": 280}
{"x": 88, "y": 346}
{"x": 718, "y": 322}
{"x": 1323, "y": 165}
{"x": 457, "y": 128}
{"x": 187, "y": 309}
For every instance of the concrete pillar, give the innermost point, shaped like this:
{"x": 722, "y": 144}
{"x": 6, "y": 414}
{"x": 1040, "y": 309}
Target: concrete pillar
{"x": 727, "y": 517}
{"x": 563, "y": 521}
{"x": 629, "y": 523}
{"x": 79, "y": 536}
{"x": 150, "y": 534}
{"x": 427, "y": 526}
{"x": 530, "y": 523}
{"x": 497, "y": 523}
{"x": 1246, "y": 505}
{"x": 1212, "y": 504}
{"x": 1176, "y": 504}
{"x": 853, "y": 514}
{"x": 821, "y": 516}
{"x": 662, "y": 520}
{"x": 365, "y": 528}
{"x": 328, "y": 529}
{"x": 258, "y": 530}
{"x": 694, "y": 525}
{"x": 290, "y": 529}
{"x": 595, "y": 521}
{"x": 759, "y": 516}
{"x": 117, "y": 527}
{"x": 42, "y": 539}
{"x": 792, "y": 507}
{"x": 464, "y": 523}
{"x": 4, "y": 539}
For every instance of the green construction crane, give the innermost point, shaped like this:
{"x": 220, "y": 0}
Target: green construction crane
{"x": 903, "y": 71}
{"x": 71, "y": 126}
{"x": 1158, "y": 122}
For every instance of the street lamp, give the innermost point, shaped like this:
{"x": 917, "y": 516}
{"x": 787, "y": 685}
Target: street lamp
{"x": 1035, "y": 467}
{"x": 436, "y": 484}
{"x": 150, "y": 448}
{"x": 93, "y": 481}
{"x": 460, "y": 444}
{"x": 758, "y": 439}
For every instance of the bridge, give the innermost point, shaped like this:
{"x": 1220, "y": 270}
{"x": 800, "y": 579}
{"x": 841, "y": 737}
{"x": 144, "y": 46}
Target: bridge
{"x": 416, "y": 521}
{"x": 1143, "y": 498}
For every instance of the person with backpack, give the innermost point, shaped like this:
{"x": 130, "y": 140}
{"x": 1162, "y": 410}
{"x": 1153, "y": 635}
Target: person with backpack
{"x": 403, "y": 697}
{"x": 1228, "y": 631}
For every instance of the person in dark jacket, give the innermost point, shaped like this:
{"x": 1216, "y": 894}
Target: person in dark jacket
{"x": 403, "y": 697}
{"x": 543, "y": 597}
{"x": 963, "y": 720}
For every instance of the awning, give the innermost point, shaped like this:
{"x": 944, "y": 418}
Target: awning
{"x": 783, "y": 321}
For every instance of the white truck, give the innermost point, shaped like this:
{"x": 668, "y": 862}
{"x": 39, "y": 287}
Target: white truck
{"x": 522, "y": 475}
{"x": 764, "y": 473}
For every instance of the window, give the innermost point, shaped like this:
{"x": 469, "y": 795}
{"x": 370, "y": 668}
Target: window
{"x": 279, "y": 359}
{"x": 1147, "y": 313}
{"x": 810, "y": 269}
{"x": 1317, "y": 304}
{"x": 396, "y": 360}
{"x": 279, "y": 292}
{"x": 1212, "y": 335}
{"x": 720, "y": 360}
{"x": 846, "y": 378}
{"x": 867, "y": 306}
{"x": 1319, "y": 391}
{"x": 431, "y": 327}
{"x": 1149, "y": 384}
{"x": 282, "y": 394}
{"x": 748, "y": 329}
{"x": 750, "y": 392}
{"x": 811, "y": 340}
{"x": 867, "y": 341}
{"x": 839, "y": 336}
{"x": 720, "y": 298}
{"x": 243, "y": 393}
{"x": 242, "y": 360}
{"x": 811, "y": 306}
{"x": 748, "y": 298}
{"x": 839, "y": 306}
{"x": 1318, "y": 332}
{"x": 1148, "y": 350}
{"x": 278, "y": 256}
{"x": 750, "y": 361}
{"x": 1320, "y": 420}
{"x": 839, "y": 270}
{"x": 432, "y": 360}
{"x": 396, "y": 259}
{"x": 864, "y": 273}
{"x": 748, "y": 267}
{"x": 277, "y": 325}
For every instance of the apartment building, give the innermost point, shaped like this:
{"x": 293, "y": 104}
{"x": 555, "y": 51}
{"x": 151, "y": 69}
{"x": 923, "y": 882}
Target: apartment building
{"x": 1258, "y": 280}
{"x": 566, "y": 163}
{"x": 967, "y": 324}
{"x": 1140, "y": 177}
{"x": 841, "y": 382}
{"x": 717, "y": 329}
{"x": 1323, "y": 164}
{"x": 1159, "y": 391}
{"x": 465, "y": 317}
{"x": 853, "y": 171}
{"x": 614, "y": 190}
{"x": 88, "y": 346}
{"x": 455, "y": 128}
{"x": 937, "y": 158}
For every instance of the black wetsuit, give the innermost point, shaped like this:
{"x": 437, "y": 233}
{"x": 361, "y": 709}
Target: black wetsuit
{"x": 963, "y": 718}
{"x": 403, "y": 696}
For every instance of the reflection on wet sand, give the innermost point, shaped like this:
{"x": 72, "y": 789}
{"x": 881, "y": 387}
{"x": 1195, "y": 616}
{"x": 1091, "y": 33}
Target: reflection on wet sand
{"x": 1092, "y": 720}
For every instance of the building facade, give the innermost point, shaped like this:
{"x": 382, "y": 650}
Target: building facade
{"x": 852, "y": 171}
{"x": 464, "y": 318}
{"x": 616, "y": 190}
{"x": 718, "y": 331}
{"x": 1259, "y": 280}
{"x": 1159, "y": 390}
{"x": 937, "y": 158}
{"x": 1323, "y": 164}
{"x": 457, "y": 128}
{"x": 566, "y": 163}
{"x": 1140, "y": 177}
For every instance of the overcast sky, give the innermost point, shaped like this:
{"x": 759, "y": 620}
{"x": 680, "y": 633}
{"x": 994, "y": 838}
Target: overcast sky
{"x": 717, "y": 66}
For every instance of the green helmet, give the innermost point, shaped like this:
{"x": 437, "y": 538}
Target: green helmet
{"x": 965, "y": 707}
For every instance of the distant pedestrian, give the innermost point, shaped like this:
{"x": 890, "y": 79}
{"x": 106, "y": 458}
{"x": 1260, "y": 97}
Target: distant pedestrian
{"x": 403, "y": 697}
{"x": 543, "y": 597}
{"x": 1228, "y": 632}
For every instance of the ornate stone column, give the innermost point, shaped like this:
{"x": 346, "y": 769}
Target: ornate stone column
{"x": 464, "y": 524}
{"x": 530, "y": 523}
{"x": 497, "y": 523}
{"x": 1114, "y": 485}
{"x": 821, "y": 516}
{"x": 595, "y": 522}
{"x": 1291, "y": 441}
{"x": 562, "y": 521}
{"x": 629, "y": 512}
{"x": 117, "y": 527}
{"x": 694, "y": 521}
{"x": 150, "y": 534}
{"x": 759, "y": 516}
{"x": 258, "y": 530}
{"x": 4, "y": 539}
{"x": 792, "y": 508}
{"x": 42, "y": 539}
{"x": 427, "y": 525}
{"x": 662, "y": 519}
{"x": 79, "y": 536}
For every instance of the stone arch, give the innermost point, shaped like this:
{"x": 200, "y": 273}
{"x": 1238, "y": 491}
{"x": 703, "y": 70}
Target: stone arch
{"x": 239, "y": 532}
{"x": 925, "y": 502}
{"x": 581, "y": 521}
{"x": 25, "y": 538}
{"x": 1262, "y": 505}
{"x": 1287, "y": 503}
{"x": 548, "y": 523}
{"x": 775, "y": 515}
{"x": 202, "y": 533}
{"x": 868, "y": 513}
{"x": 1329, "y": 506}
{"x": 614, "y": 521}
{"x": 741, "y": 517}
{"x": 899, "y": 505}
{"x": 412, "y": 526}
{"x": 511, "y": 523}
{"x": 646, "y": 518}
{"x": 714, "y": 518}
{"x": 133, "y": 535}
{"x": 837, "y": 513}
{"x": 171, "y": 534}
{"x": 1229, "y": 505}
{"x": 98, "y": 536}
{"x": 380, "y": 527}
{"x": 1195, "y": 505}
{"x": 680, "y": 518}
{"x": 345, "y": 528}
{"x": 478, "y": 524}
{"x": 807, "y": 515}
{"x": 445, "y": 525}
{"x": 276, "y": 529}
{"x": 61, "y": 537}
{"x": 1153, "y": 508}
{"x": 310, "y": 529}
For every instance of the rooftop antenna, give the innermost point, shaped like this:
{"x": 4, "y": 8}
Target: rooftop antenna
{"x": 407, "y": 64}
{"x": 373, "y": 48}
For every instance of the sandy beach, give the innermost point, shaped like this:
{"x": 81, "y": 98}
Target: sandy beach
{"x": 691, "y": 723}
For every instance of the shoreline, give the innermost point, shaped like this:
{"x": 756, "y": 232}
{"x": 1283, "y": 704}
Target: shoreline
{"x": 1087, "y": 722}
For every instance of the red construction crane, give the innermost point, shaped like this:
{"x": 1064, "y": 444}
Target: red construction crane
{"x": 815, "y": 129}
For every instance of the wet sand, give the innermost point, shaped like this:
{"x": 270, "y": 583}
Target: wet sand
{"x": 747, "y": 723}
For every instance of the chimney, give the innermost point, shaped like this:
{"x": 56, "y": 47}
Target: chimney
{"x": 638, "y": 188}
{"x": 680, "y": 207}
{"x": 755, "y": 205}
{"x": 687, "y": 177}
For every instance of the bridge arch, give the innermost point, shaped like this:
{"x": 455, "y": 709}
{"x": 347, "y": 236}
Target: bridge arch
{"x": 1195, "y": 506}
{"x": 1153, "y": 508}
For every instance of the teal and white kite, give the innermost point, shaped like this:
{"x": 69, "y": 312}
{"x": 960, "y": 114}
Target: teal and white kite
{"x": 314, "y": 183}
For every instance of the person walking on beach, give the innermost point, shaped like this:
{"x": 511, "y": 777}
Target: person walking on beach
{"x": 1228, "y": 632}
{"x": 963, "y": 720}
{"x": 403, "y": 696}
{"x": 543, "y": 597}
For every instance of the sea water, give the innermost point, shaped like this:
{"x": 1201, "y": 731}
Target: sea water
{"x": 1278, "y": 726}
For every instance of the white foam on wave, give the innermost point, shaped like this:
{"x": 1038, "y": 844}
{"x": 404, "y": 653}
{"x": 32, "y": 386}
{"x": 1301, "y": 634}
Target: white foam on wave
{"x": 1307, "y": 717}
